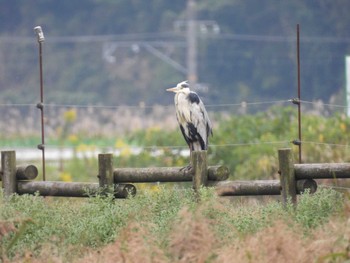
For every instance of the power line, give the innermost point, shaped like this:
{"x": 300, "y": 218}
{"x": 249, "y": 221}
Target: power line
{"x": 173, "y": 36}
{"x": 266, "y": 38}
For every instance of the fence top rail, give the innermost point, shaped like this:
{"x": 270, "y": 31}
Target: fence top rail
{"x": 166, "y": 174}
{"x": 322, "y": 170}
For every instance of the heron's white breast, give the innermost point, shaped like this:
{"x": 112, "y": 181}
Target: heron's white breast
{"x": 183, "y": 108}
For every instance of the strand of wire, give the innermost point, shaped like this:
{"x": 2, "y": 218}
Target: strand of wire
{"x": 237, "y": 144}
{"x": 326, "y": 144}
{"x": 241, "y": 104}
{"x": 155, "y": 147}
{"x": 244, "y": 103}
{"x": 17, "y": 104}
{"x": 324, "y": 104}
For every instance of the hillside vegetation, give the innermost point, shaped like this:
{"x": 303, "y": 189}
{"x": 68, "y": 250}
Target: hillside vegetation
{"x": 123, "y": 52}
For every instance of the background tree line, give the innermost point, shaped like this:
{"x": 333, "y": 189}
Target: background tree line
{"x": 121, "y": 52}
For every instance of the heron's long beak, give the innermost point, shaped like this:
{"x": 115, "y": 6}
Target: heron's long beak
{"x": 172, "y": 89}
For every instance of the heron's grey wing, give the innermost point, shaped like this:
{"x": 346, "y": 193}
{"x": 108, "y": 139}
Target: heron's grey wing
{"x": 200, "y": 119}
{"x": 209, "y": 126}
{"x": 183, "y": 131}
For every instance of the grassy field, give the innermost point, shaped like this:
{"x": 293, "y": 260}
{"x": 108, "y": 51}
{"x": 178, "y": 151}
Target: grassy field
{"x": 166, "y": 224}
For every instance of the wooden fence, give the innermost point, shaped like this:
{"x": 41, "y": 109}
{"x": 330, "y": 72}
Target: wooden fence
{"x": 18, "y": 179}
{"x": 294, "y": 178}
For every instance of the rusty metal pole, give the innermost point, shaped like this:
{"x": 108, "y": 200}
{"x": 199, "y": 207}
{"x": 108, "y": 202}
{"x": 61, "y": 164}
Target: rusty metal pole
{"x": 40, "y": 37}
{"x": 299, "y": 92}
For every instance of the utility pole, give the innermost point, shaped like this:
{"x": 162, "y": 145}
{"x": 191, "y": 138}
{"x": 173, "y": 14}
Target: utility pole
{"x": 191, "y": 39}
{"x": 347, "y": 89}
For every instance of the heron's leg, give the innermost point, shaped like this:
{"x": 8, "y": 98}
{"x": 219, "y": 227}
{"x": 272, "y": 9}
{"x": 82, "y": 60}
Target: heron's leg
{"x": 188, "y": 167}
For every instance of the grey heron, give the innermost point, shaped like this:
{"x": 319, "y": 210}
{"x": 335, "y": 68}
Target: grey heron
{"x": 192, "y": 117}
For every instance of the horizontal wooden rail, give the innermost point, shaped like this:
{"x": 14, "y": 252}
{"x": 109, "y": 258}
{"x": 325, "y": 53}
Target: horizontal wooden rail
{"x": 322, "y": 170}
{"x": 260, "y": 187}
{"x": 71, "y": 189}
{"x": 165, "y": 174}
{"x": 24, "y": 172}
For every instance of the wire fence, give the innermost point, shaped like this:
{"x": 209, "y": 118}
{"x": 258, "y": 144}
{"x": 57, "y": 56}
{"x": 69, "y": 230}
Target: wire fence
{"x": 157, "y": 150}
{"x": 244, "y": 104}
{"x": 142, "y": 106}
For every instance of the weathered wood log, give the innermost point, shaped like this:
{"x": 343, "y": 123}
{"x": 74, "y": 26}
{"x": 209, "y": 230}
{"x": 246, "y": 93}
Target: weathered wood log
{"x": 71, "y": 189}
{"x": 253, "y": 187}
{"x": 165, "y": 174}
{"x": 24, "y": 172}
{"x": 218, "y": 173}
{"x": 124, "y": 190}
{"x": 322, "y": 170}
{"x": 305, "y": 184}
{"x": 200, "y": 169}
{"x": 287, "y": 175}
{"x": 259, "y": 187}
{"x": 8, "y": 164}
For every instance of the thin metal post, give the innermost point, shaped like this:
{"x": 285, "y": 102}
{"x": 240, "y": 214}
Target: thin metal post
{"x": 299, "y": 92}
{"x": 40, "y": 105}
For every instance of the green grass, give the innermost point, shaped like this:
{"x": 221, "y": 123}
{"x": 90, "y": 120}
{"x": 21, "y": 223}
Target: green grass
{"x": 35, "y": 223}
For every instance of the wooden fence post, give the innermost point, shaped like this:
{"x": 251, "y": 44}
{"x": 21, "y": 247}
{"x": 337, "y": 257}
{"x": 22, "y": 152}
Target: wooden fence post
{"x": 8, "y": 165}
{"x": 105, "y": 170}
{"x": 287, "y": 175}
{"x": 200, "y": 169}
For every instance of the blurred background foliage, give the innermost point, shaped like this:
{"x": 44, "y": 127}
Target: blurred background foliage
{"x": 248, "y": 144}
{"x": 104, "y": 52}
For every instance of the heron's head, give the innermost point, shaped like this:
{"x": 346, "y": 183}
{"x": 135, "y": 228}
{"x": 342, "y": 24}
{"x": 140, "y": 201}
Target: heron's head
{"x": 181, "y": 87}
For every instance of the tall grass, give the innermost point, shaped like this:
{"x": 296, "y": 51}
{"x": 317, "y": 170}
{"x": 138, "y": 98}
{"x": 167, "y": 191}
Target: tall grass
{"x": 166, "y": 225}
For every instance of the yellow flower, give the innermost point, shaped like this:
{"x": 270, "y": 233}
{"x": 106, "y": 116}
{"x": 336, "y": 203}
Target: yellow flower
{"x": 70, "y": 115}
{"x": 343, "y": 127}
{"x": 264, "y": 163}
{"x": 73, "y": 138}
{"x": 65, "y": 177}
{"x": 155, "y": 187}
{"x": 84, "y": 147}
{"x": 321, "y": 137}
{"x": 125, "y": 150}
{"x": 151, "y": 131}
{"x": 120, "y": 144}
